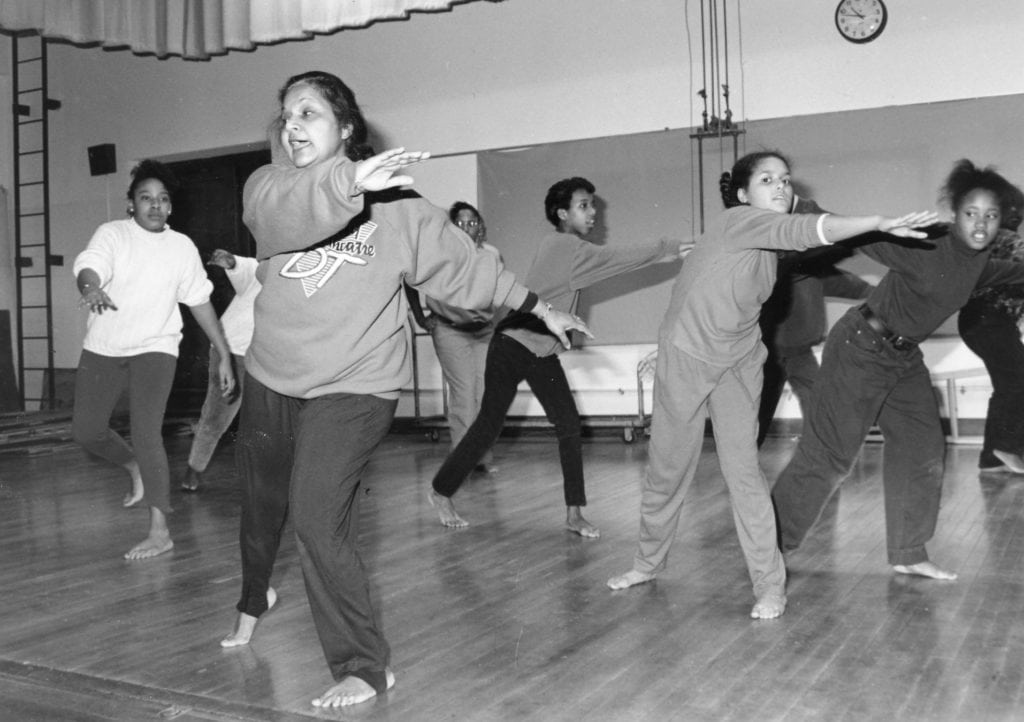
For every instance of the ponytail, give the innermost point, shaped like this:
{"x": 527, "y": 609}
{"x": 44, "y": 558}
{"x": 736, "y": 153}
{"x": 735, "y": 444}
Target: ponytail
{"x": 729, "y": 199}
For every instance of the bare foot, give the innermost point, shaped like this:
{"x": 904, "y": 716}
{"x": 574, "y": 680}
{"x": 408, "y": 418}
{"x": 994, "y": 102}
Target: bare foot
{"x": 246, "y": 624}
{"x": 152, "y": 546}
{"x": 575, "y": 522}
{"x": 629, "y": 579}
{"x": 770, "y": 606}
{"x": 192, "y": 480}
{"x": 924, "y": 569}
{"x": 136, "y": 491}
{"x": 351, "y": 690}
{"x": 446, "y": 511}
{"x": 1013, "y": 461}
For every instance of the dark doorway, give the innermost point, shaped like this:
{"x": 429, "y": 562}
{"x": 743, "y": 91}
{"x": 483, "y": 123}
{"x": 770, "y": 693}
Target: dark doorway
{"x": 208, "y": 209}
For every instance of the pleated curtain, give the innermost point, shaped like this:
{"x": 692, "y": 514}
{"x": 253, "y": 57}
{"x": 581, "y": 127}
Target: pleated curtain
{"x": 198, "y": 29}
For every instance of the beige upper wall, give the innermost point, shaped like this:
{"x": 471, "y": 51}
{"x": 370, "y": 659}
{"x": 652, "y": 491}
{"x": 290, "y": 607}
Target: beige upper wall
{"x": 520, "y": 72}
{"x": 488, "y": 75}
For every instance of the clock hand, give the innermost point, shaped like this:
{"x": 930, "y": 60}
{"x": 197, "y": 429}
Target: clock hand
{"x": 852, "y": 14}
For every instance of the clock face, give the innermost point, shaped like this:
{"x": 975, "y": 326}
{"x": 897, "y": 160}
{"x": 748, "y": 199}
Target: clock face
{"x": 861, "y": 21}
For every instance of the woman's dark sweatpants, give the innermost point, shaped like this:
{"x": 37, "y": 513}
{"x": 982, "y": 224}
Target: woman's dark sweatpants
{"x": 308, "y": 455}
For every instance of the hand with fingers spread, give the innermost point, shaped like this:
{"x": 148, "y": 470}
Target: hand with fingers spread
{"x": 377, "y": 172}
{"x": 906, "y": 226}
{"x": 560, "y": 322}
{"x": 93, "y": 296}
{"x": 96, "y": 300}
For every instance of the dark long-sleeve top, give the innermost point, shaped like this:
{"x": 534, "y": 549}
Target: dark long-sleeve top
{"x": 717, "y": 298}
{"x": 794, "y": 316}
{"x": 929, "y": 281}
{"x": 563, "y": 266}
{"x": 1005, "y": 300}
{"x": 793, "y": 319}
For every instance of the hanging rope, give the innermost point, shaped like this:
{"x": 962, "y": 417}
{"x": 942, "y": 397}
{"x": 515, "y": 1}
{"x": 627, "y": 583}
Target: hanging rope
{"x": 716, "y": 89}
{"x": 739, "y": 36}
{"x": 717, "y": 116}
{"x": 716, "y": 65}
{"x": 725, "y": 86}
{"x": 690, "y": 115}
{"x": 703, "y": 92}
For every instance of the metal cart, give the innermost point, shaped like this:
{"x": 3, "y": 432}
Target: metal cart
{"x": 644, "y": 375}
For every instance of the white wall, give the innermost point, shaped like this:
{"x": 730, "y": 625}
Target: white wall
{"x": 489, "y": 75}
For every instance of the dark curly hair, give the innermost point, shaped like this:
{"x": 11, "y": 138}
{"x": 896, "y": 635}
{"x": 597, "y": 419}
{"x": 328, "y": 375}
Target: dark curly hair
{"x": 342, "y": 101}
{"x": 967, "y": 177}
{"x": 560, "y": 196}
{"x": 147, "y": 169}
{"x": 458, "y": 207}
{"x": 730, "y": 183}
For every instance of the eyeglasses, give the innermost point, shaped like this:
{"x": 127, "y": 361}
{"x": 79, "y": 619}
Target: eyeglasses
{"x": 467, "y": 224}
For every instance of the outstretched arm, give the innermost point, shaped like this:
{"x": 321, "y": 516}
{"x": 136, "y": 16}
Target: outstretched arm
{"x": 377, "y": 173}
{"x": 841, "y": 228}
{"x": 591, "y": 264}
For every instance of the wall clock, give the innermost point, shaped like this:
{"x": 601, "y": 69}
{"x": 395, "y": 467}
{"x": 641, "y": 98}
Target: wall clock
{"x": 861, "y": 21}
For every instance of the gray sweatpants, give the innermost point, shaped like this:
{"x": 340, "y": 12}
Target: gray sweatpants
{"x": 686, "y": 390}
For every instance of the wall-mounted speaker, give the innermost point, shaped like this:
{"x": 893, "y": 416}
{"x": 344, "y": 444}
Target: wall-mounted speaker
{"x": 102, "y": 159}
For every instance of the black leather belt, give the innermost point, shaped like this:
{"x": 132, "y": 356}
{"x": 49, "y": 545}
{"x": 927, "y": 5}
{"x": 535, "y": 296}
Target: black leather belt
{"x": 900, "y": 343}
{"x": 468, "y": 327}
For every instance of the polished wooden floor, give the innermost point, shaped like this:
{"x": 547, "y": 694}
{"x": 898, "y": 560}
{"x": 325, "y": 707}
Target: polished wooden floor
{"x": 509, "y": 619}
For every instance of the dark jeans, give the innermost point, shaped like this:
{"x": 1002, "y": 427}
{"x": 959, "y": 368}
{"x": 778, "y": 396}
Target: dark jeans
{"x": 509, "y": 363}
{"x": 99, "y": 382}
{"x": 309, "y": 455}
{"x": 995, "y": 338}
{"x": 863, "y": 378}
{"x": 796, "y": 365}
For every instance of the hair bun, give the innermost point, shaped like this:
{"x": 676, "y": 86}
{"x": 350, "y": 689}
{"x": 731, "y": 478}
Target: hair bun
{"x": 361, "y": 151}
{"x": 725, "y": 187}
